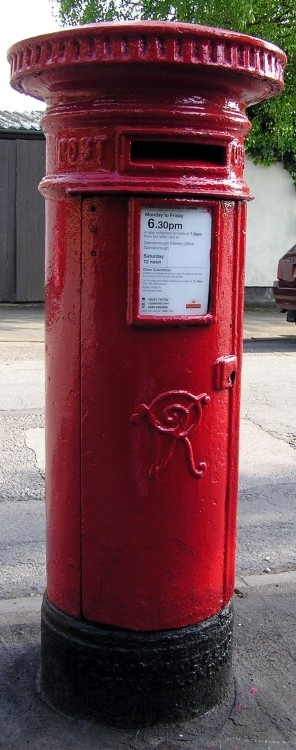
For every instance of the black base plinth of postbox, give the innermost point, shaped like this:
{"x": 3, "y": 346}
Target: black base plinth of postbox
{"x": 131, "y": 679}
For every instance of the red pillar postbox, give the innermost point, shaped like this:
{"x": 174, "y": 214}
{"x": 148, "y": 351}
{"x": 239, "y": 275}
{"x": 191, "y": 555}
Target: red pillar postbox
{"x": 145, "y": 207}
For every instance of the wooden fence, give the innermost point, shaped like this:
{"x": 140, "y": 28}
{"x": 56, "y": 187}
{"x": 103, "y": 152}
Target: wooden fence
{"x": 22, "y": 165}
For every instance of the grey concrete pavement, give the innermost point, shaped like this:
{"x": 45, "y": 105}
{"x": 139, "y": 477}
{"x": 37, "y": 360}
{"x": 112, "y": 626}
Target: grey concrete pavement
{"x": 260, "y": 712}
{"x": 22, "y": 323}
{"x": 267, "y": 324}
{"x": 26, "y": 323}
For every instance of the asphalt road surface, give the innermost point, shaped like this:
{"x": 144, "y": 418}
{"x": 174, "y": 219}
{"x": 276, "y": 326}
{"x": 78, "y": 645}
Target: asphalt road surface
{"x": 267, "y": 519}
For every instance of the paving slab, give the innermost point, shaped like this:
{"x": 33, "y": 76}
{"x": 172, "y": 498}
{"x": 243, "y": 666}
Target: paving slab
{"x": 26, "y": 323}
{"x": 22, "y": 323}
{"x": 267, "y": 324}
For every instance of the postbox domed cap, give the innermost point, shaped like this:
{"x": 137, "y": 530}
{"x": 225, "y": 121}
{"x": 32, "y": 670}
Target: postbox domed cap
{"x": 41, "y": 65}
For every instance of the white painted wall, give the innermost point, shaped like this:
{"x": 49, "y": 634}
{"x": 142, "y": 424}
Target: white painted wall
{"x": 271, "y": 228}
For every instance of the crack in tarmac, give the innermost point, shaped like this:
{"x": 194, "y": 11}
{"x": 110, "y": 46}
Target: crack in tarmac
{"x": 290, "y": 438}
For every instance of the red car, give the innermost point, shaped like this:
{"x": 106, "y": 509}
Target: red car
{"x": 284, "y": 288}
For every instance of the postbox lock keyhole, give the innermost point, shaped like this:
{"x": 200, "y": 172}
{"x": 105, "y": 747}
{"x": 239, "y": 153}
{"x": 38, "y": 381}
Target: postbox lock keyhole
{"x": 225, "y": 369}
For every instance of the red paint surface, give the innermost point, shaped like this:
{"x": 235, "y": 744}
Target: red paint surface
{"x": 63, "y": 397}
{"x": 141, "y": 512}
{"x": 168, "y": 559}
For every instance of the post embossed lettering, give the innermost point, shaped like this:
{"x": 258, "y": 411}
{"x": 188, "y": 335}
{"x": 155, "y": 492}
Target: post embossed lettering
{"x": 79, "y": 150}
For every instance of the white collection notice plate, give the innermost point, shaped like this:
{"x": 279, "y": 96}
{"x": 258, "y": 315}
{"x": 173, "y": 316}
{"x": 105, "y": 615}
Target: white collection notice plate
{"x": 175, "y": 248}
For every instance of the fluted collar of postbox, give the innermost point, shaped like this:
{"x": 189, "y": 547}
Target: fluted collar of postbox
{"x": 42, "y": 65}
